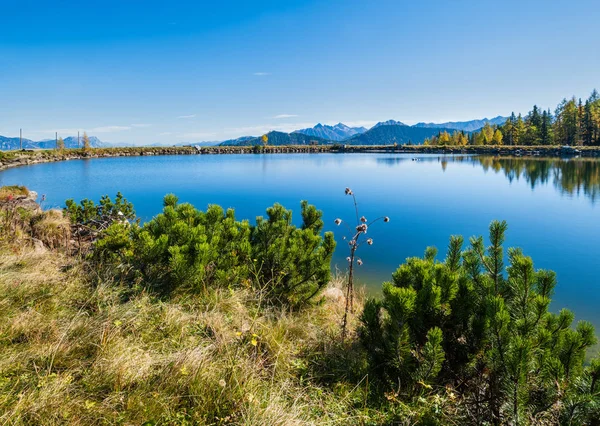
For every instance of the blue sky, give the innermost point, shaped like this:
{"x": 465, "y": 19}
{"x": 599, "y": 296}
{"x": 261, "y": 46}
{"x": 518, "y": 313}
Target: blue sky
{"x": 157, "y": 71}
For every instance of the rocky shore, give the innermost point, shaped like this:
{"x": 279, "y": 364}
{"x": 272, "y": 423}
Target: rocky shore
{"x": 9, "y": 159}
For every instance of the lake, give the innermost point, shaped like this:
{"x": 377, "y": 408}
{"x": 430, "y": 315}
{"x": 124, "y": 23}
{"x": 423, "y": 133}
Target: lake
{"x": 551, "y": 205}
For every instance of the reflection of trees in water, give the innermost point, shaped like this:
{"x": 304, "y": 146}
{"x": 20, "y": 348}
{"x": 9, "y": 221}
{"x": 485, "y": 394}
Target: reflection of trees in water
{"x": 573, "y": 176}
{"x": 581, "y": 175}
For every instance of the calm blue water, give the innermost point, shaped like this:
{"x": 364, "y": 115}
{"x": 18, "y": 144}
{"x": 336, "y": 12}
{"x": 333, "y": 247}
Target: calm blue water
{"x": 551, "y": 205}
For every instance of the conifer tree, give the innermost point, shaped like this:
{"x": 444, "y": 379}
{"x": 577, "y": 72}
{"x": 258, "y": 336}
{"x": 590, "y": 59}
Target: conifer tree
{"x": 535, "y": 118}
{"x": 545, "y": 129}
{"x": 587, "y": 124}
{"x": 186, "y": 249}
{"x": 488, "y": 133}
{"x": 519, "y": 130}
{"x": 444, "y": 138}
{"x": 497, "y": 137}
{"x": 509, "y": 129}
{"x": 469, "y": 324}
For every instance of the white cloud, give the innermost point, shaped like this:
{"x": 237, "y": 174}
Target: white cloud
{"x": 265, "y": 128}
{"x": 261, "y": 74}
{"x": 109, "y": 129}
{"x": 73, "y": 130}
{"x": 285, "y": 116}
{"x": 141, "y": 125}
{"x": 187, "y": 116}
{"x": 198, "y": 135}
{"x": 60, "y": 131}
{"x": 286, "y": 127}
{"x": 360, "y": 123}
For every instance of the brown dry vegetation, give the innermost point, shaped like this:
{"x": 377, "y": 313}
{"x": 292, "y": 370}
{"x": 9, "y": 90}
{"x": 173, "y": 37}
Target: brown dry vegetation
{"x": 52, "y": 229}
{"x": 7, "y": 192}
{"x": 77, "y": 349}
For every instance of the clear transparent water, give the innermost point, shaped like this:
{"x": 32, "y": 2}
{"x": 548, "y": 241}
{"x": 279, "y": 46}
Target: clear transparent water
{"x": 551, "y": 206}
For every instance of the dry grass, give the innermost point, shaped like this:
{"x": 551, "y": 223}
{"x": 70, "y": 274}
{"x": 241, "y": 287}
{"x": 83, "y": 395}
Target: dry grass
{"x": 76, "y": 353}
{"x": 8, "y": 192}
{"x": 51, "y": 228}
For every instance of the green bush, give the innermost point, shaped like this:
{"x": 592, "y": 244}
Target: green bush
{"x": 107, "y": 211}
{"x": 467, "y": 324}
{"x": 186, "y": 249}
{"x": 293, "y": 263}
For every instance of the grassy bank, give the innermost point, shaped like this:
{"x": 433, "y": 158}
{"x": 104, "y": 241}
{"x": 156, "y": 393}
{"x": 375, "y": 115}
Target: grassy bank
{"x": 199, "y": 318}
{"x": 77, "y": 352}
{"x": 81, "y": 347}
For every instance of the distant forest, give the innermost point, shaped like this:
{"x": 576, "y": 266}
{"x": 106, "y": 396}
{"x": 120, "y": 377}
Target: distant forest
{"x": 574, "y": 123}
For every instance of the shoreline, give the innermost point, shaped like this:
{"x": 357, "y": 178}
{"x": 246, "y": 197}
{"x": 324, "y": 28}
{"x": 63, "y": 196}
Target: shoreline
{"x": 11, "y": 159}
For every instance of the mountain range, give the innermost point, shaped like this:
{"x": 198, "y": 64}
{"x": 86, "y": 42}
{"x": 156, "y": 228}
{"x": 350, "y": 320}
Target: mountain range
{"x": 278, "y": 139}
{"x": 382, "y": 133}
{"x": 7, "y": 143}
{"x": 389, "y": 123}
{"x": 467, "y": 126}
{"x": 387, "y": 134}
{"x": 337, "y": 133}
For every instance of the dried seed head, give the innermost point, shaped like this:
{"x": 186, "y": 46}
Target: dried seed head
{"x": 348, "y": 191}
{"x": 362, "y": 228}
{"x": 338, "y": 221}
{"x": 386, "y": 219}
{"x": 363, "y": 219}
{"x": 370, "y": 241}
{"x": 348, "y": 259}
{"x": 360, "y": 262}
{"x": 351, "y": 242}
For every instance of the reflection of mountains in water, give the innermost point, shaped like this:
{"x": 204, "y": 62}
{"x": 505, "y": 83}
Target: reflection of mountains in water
{"x": 574, "y": 176}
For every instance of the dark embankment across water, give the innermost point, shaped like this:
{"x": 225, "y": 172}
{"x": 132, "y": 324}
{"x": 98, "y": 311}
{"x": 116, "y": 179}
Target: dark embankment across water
{"x": 9, "y": 159}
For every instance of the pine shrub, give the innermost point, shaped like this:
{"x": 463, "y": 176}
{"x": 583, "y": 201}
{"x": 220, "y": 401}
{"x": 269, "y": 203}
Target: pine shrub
{"x": 470, "y": 324}
{"x": 184, "y": 249}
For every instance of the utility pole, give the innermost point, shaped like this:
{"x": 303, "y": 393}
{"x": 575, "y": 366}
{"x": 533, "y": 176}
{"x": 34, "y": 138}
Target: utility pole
{"x": 21, "y": 139}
